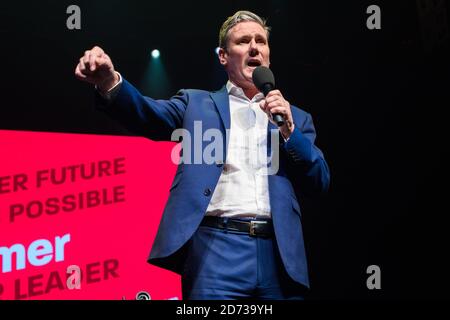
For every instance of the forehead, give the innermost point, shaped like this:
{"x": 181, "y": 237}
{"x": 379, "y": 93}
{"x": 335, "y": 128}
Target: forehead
{"x": 247, "y": 28}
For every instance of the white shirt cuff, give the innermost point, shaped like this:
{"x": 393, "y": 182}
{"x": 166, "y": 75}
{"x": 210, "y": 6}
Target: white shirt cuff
{"x": 111, "y": 93}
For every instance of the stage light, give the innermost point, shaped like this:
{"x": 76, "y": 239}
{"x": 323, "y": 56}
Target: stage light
{"x": 217, "y": 50}
{"x": 155, "y": 54}
{"x": 155, "y": 81}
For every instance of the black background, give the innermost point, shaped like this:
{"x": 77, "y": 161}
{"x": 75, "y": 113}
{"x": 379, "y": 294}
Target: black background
{"x": 378, "y": 99}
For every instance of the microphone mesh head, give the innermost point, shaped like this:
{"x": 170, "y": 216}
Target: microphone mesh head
{"x": 262, "y": 76}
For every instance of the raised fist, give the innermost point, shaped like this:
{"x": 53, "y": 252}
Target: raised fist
{"x": 97, "y": 68}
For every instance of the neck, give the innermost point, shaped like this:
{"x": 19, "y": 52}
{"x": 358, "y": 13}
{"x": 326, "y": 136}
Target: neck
{"x": 250, "y": 91}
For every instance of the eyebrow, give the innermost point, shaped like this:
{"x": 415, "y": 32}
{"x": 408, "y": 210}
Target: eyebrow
{"x": 249, "y": 36}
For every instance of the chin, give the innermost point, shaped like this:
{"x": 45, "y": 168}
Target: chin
{"x": 249, "y": 75}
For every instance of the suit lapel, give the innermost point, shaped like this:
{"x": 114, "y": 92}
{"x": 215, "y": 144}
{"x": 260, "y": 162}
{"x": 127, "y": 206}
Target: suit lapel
{"x": 222, "y": 104}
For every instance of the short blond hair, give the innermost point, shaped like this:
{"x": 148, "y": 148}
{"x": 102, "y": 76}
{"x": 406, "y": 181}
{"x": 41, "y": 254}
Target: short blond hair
{"x": 239, "y": 16}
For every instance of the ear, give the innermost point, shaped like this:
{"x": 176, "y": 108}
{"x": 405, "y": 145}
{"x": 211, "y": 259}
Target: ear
{"x": 223, "y": 57}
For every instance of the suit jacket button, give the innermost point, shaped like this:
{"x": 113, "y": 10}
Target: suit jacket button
{"x": 207, "y": 192}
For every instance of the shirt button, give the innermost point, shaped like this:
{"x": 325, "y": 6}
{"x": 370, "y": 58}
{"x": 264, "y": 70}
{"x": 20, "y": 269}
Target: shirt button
{"x": 207, "y": 192}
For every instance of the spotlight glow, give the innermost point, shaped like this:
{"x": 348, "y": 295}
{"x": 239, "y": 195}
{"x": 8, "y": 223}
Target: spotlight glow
{"x": 217, "y": 50}
{"x": 155, "y": 54}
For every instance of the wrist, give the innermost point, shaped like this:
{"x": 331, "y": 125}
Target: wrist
{"x": 109, "y": 83}
{"x": 287, "y": 130}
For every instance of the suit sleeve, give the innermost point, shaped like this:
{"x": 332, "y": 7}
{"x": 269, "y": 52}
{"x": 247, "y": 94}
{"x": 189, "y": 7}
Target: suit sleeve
{"x": 144, "y": 116}
{"x": 307, "y": 159}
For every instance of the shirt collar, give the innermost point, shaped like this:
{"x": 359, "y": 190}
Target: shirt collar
{"x": 238, "y": 92}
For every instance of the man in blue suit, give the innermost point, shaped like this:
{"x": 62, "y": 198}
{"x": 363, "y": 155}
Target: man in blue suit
{"x": 232, "y": 224}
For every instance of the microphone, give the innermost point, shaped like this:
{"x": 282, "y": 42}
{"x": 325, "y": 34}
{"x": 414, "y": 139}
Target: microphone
{"x": 265, "y": 82}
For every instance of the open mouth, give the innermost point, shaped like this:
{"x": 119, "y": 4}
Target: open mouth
{"x": 254, "y": 63}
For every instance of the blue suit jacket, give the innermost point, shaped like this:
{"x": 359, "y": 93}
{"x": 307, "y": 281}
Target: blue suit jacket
{"x": 302, "y": 169}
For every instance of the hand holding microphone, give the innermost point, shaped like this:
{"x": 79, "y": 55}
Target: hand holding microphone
{"x": 265, "y": 82}
{"x": 274, "y": 105}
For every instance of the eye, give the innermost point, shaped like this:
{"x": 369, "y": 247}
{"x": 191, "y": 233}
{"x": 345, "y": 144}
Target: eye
{"x": 243, "y": 40}
{"x": 261, "y": 40}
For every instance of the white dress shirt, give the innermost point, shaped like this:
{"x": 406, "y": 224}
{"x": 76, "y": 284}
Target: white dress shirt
{"x": 242, "y": 190}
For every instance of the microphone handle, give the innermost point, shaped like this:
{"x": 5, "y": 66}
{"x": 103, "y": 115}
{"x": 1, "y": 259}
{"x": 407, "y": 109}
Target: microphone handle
{"x": 278, "y": 118}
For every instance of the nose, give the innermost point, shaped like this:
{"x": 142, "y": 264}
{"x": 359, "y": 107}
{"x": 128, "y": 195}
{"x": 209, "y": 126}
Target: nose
{"x": 253, "y": 48}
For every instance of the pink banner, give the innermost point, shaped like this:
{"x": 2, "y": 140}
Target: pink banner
{"x": 78, "y": 215}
